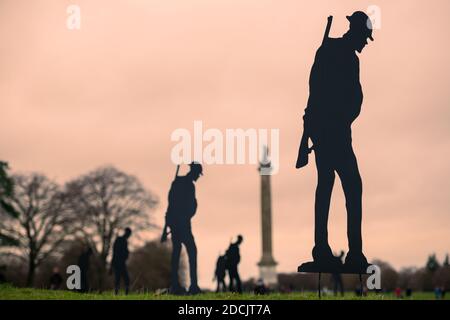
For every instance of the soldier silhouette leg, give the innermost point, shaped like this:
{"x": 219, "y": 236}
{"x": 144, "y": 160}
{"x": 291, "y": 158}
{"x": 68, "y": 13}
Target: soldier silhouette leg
{"x": 191, "y": 249}
{"x": 119, "y": 261}
{"x": 185, "y": 237}
{"x": 325, "y": 183}
{"x": 352, "y": 185}
{"x": 235, "y": 279}
{"x": 335, "y": 155}
{"x": 325, "y": 156}
{"x": 119, "y": 273}
{"x": 176, "y": 251}
{"x": 221, "y": 286}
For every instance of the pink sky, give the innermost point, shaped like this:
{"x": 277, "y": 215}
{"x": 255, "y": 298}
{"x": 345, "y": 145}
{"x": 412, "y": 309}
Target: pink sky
{"x": 112, "y": 93}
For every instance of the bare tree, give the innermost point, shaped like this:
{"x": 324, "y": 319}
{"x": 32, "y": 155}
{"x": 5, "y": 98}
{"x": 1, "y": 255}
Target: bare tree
{"x": 6, "y": 192}
{"x": 107, "y": 200}
{"x": 6, "y": 183}
{"x": 42, "y": 223}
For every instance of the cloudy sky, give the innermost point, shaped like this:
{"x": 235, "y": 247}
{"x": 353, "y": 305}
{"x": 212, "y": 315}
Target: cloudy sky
{"x": 114, "y": 91}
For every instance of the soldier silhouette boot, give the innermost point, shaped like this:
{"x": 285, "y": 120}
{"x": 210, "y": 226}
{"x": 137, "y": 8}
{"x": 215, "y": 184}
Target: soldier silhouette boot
{"x": 355, "y": 262}
{"x": 324, "y": 261}
{"x": 194, "y": 290}
{"x": 324, "y": 258}
{"x": 177, "y": 290}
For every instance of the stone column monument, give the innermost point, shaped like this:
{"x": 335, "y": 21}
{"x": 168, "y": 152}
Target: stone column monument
{"x": 267, "y": 265}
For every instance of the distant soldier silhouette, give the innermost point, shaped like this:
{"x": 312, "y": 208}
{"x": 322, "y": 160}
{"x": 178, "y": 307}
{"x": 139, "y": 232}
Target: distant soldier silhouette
{"x": 119, "y": 261}
{"x": 182, "y": 207}
{"x": 219, "y": 274}
{"x": 260, "y": 287}
{"x": 335, "y": 98}
{"x": 233, "y": 259}
{"x": 2, "y": 274}
{"x": 55, "y": 280}
{"x": 337, "y": 277}
{"x": 83, "y": 264}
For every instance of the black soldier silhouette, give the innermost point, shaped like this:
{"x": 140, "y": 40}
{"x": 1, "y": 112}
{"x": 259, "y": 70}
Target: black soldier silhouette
{"x": 335, "y": 98}
{"x": 181, "y": 209}
{"x": 55, "y": 280}
{"x": 338, "y": 285}
{"x": 233, "y": 259}
{"x": 219, "y": 273}
{"x": 83, "y": 264}
{"x": 119, "y": 261}
{"x": 2, "y": 274}
{"x": 260, "y": 287}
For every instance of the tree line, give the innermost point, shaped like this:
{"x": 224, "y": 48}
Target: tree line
{"x": 42, "y": 221}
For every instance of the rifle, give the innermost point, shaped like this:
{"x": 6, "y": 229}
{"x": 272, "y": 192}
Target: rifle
{"x": 304, "y": 150}
{"x": 166, "y": 232}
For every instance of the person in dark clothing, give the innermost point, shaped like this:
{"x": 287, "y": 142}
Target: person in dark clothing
{"x": 260, "y": 287}
{"x": 233, "y": 259}
{"x": 219, "y": 274}
{"x": 2, "y": 274}
{"x": 55, "y": 280}
{"x": 335, "y": 99}
{"x": 181, "y": 209}
{"x": 337, "y": 277}
{"x": 408, "y": 292}
{"x": 119, "y": 261}
{"x": 83, "y": 263}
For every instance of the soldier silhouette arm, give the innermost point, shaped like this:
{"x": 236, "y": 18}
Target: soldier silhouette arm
{"x": 192, "y": 200}
{"x": 357, "y": 97}
{"x": 171, "y": 201}
{"x": 317, "y": 81}
{"x": 319, "y": 84}
{"x": 194, "y": 207}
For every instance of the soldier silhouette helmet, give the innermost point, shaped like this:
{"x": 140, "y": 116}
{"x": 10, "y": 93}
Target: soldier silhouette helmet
{"x": 360, "y": 23}
{"x": 196, "y": 168}
{"x": 127, "y": 232}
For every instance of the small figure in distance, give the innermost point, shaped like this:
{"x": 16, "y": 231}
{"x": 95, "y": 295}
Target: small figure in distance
{"x": 119, "y": 261}
{"x": 337, "y": 277}
{"x": 219, "y": 274}
{"x": 55, "y": 280}
{"x": 2, "y": 274}
{"x": 83, "y": 264}
{"x": 260, "y": 288}
{"x": 233, "y": 259}
{"x": 181, "y": 209}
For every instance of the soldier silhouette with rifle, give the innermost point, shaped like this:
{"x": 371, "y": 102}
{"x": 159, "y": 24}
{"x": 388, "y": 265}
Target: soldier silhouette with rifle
{"x": 219, "y": 273}
{"x": 181, "y": 209}
{"x": 232, "y": 261}
{"x": 119, "y": 261}
{"x": 335, "y": 99}
{"x": 84, "y": 264}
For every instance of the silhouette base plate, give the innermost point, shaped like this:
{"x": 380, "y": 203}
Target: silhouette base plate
{"x": 313, "y": 267}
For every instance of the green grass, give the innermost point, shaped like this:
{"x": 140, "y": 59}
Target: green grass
{"x": 12, "y": 293}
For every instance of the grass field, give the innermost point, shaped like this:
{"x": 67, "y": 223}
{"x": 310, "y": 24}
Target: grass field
{"x": 12, "y": 293}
